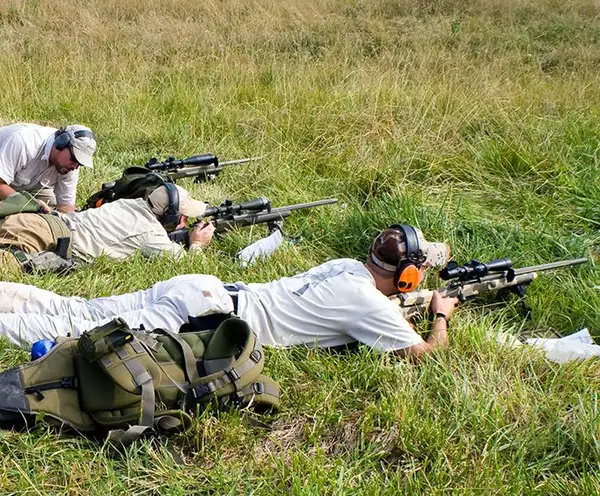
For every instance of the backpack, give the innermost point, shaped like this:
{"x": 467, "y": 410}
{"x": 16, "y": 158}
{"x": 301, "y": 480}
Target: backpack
{"x": 130, "y": 383}
{"x": 136, "y": 182}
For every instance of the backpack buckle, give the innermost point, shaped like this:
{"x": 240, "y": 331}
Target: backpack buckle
{"x": 233, "y": 374}
{"x": 201, "y": 391}
{"x": 258, "y": 387}
{"x": 69, "y": 383}
{"x": 255, "y": 355}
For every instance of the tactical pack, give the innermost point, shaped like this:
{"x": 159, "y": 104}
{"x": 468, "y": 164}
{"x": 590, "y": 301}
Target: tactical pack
{"x": 136, "y": 182}
{"x": 128, "y": 383}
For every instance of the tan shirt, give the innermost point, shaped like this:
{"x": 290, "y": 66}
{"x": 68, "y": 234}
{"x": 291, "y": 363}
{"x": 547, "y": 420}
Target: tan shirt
{"x": 117, "y": 230}
{"x": 24, "y": 152}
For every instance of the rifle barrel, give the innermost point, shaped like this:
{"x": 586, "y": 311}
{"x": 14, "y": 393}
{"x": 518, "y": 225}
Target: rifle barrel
{"x": 241, "y": 161}
{"x": 298, "y": 206}
{"x": 551, "y": 265}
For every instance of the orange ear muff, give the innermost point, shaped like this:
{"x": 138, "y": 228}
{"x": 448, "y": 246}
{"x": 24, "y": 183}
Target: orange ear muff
{"x": 408, "y": 278}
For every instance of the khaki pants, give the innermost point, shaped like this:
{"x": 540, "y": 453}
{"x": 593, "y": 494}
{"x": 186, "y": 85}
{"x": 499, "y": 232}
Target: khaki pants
{"x": 30, "y": 233}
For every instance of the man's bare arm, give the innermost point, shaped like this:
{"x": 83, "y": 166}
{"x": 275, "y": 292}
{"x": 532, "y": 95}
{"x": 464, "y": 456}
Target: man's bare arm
{"x": 438, "y": 338}
{"x": 65, "y": 209}
{"x": 442, "y": 308}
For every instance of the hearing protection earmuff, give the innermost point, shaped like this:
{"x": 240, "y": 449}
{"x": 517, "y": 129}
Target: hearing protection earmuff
{"x": 406, "y": 272}
{"x": 406, "y": 277}
{"x": 64, "y": 138}
{"x": 171, "y": 216}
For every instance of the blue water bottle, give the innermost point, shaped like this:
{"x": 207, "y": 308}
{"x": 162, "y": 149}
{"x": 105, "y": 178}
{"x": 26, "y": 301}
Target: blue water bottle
{"x": 40, "y": 348}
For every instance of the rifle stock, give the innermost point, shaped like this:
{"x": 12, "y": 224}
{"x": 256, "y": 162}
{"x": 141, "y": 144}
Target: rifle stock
{"x": 416, "y": 303}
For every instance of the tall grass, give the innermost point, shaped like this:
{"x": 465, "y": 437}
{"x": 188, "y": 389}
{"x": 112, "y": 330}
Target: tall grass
{"x": 477, "y": 121}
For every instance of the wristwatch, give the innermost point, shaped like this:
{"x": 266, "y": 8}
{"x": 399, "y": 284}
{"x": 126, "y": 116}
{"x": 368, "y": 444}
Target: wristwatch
{"x": 443, "y": 316}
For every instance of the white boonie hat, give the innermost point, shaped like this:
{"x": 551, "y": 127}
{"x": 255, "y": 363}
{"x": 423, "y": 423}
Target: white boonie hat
{"x": 83, "y": 144}
{"x": 159, "y": 201}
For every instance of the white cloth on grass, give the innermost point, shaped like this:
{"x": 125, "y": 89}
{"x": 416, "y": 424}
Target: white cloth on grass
{"x": 333, "y": 304}
{"x": 24, "y": 166}
{"x": 261, "y": 249}
{"x": 577, "y": 346}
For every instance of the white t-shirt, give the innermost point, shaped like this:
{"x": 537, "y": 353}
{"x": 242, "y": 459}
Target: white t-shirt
{"x": 330, "y": 305}
{"x": 24, "y": 152}
{"x": 118, "y": 229}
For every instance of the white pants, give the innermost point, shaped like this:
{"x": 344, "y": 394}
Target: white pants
{"x": 28, "y": 314}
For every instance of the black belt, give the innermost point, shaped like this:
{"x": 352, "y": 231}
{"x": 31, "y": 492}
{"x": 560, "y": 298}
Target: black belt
{"x": 234, "y": 300}
{"x": 233, "y": 291}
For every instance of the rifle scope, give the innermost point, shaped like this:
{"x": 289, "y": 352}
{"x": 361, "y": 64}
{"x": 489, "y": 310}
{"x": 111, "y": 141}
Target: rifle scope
{"x": 474, "y": 269}
{"x": 171, "y": 163}
{"x": 230, "y": 208}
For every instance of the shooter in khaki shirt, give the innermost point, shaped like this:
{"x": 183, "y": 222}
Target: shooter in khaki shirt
{"x": 116, "y": 229}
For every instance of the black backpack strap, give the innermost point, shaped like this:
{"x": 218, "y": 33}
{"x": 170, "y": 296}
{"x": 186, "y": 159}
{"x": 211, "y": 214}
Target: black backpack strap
{"x": 120, "y": 438}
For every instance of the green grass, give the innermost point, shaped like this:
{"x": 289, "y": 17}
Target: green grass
{"x": 477, "y": 121}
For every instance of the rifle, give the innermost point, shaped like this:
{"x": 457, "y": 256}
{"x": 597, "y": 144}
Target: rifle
{"x": 474, "y": 278}
{"x": 258, "y": 211}
{"x": 139, "y": 182}
{"x": 204, "y": 167}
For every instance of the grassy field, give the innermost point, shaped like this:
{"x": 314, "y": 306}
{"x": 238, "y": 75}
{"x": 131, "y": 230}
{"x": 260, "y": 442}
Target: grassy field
{"x": 477, "y": 121}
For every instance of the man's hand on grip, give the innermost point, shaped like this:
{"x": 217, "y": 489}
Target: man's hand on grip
{"x": 202, "y": 234}
{"x": 442, "y": 305}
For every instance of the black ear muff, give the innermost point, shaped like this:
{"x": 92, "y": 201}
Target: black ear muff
{"x": 62, "y": 139}
{"x": 407, "y": 272}
{"x": 171, "y": 216}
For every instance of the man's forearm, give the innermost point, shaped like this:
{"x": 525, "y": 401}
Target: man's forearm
{"x": 65, "y": 209}
{"x": 438, "y": 337}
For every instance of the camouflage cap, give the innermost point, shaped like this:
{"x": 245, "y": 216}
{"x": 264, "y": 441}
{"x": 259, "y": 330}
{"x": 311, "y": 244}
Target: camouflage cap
{"x": 389, "y": 248}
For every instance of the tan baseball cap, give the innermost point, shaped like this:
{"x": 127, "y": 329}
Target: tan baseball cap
{"x": 389, "y": 247}
{"x": 159, "y": 202}
{"x": 83, "y": 144}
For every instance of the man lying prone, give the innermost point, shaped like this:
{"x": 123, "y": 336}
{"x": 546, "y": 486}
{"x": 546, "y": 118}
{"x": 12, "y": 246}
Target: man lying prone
{"x": 334, "y": 304}
{"x": 116, "y": 229}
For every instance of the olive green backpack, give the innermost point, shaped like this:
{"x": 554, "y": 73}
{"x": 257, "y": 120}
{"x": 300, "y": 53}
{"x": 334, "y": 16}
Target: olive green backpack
{"x": 130, "y": 383}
